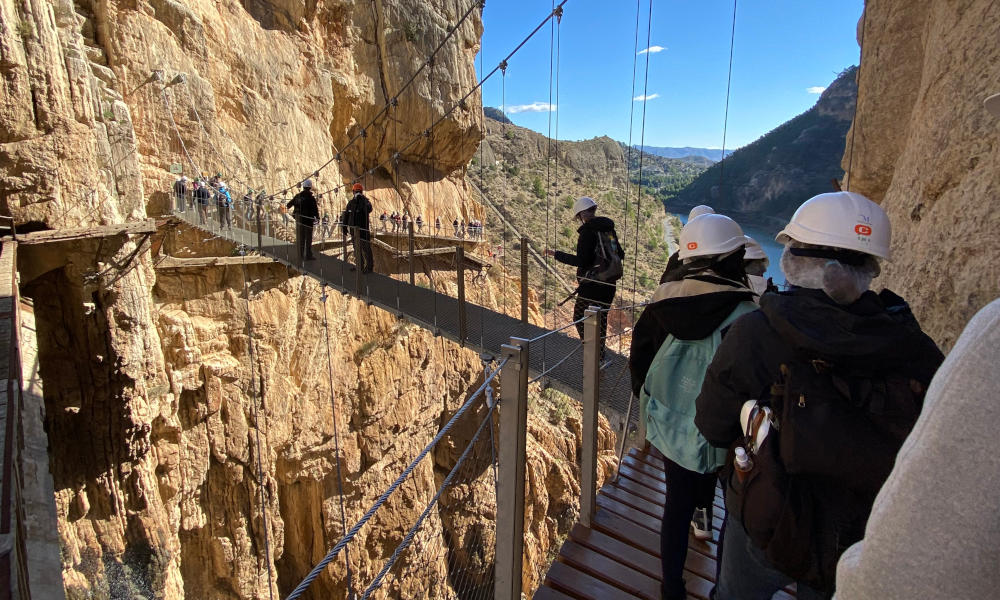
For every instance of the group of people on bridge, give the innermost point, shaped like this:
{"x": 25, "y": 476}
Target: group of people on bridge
{"x": 795, "y": 401}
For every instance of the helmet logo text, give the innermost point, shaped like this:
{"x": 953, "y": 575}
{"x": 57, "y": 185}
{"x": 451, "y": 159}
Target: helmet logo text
{"x": 692, "y": 245}
{"x": 862, "y": 229}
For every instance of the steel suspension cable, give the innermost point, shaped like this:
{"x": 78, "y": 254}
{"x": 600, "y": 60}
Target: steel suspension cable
{"x": 642, "y": 143}
{"x": 548, "y": 186}
{"x": 725, "y": 118}
{"x": 408, "y": 539}
{"x": 256, "y": 425}
{"x": 503, "y": 193}
{"x": 336, "y": 439}
{"x": 380, "y": 501}
{"x": 631, "y": 117}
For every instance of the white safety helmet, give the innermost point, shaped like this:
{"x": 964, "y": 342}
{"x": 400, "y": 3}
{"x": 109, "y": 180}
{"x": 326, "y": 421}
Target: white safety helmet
{"x": 710, "y": 235}
{"x": 993, "y": 104}
{"x": 754, "y": 250}
{"x": 845, "y": 220}
{"x": 583, "y": 203}
{"x": 308, "y": 183}
{"x": 701, "y": 209}
{"x": 184, "y": 178}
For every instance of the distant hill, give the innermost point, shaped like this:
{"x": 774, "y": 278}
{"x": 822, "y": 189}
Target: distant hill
{"x": 764, "y": 182}
{"x": 496, "y": 114}
{"x": 712, "y": 154}
{"x": 513, "y": 173}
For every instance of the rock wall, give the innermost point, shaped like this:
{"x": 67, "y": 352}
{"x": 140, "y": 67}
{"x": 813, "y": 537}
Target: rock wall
{"x": 153, "y": 409}
{"x": 927, "y": 150}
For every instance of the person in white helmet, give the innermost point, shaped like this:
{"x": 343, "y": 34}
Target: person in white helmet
{"x": 755, "y": 261}
{"x": 672, "y": 345}
{"x": 674, "y": 271}
{"x": 927, "y": 504}
{"x": 842, "y": 371}
{"x": 701, "y": 209}
{"x": 596, "y": 248}
{"x": 306, "y": 212}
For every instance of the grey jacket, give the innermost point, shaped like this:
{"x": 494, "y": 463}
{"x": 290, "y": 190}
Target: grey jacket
{"x": 934, "y": 531}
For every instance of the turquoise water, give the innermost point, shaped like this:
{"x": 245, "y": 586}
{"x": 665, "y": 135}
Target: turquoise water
{"x": 771, "y": 248}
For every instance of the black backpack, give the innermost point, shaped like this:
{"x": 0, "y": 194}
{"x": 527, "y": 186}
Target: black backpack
{"x": 833, "y": 426}
{"x": 608, "y": 267}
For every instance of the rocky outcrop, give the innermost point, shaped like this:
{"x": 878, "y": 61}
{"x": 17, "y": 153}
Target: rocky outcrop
{"x": 927, "y": 150}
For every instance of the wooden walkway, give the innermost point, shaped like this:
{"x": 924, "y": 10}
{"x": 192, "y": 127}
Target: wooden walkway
{"x": 619, "y": 556}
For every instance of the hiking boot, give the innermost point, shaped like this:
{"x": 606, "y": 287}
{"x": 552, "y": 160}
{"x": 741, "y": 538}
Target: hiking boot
{"x": 701, "y": 524}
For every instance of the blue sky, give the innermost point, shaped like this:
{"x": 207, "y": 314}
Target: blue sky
{"x": 784, "y": 49}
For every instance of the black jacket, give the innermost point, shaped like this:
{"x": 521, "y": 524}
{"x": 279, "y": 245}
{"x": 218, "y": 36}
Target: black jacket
{"x": 357, "y": 211}
{"x": 586, "y": 245}
{"x": 304, "y": 206}
{"x": 687, "y": 318}
{"x": 876, "y": 332}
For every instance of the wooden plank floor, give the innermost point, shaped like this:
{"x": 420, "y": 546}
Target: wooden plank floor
{"x": 619, "y": 556}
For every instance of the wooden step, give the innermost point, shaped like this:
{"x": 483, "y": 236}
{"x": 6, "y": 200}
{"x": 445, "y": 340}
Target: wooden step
{"x": 638, "y": 489}
{"x": 614, "y": 548}
{"x": 578, "y": 584}
{"x": 636, "y": 516}
{"x": 639, "y": 477}
{"x": 610, "y": 571}
{"x": 631, "y": 533}
{"x": 544, "y": 592}
{"x": 642, "y": 467}
{"x": 625, "y": 497}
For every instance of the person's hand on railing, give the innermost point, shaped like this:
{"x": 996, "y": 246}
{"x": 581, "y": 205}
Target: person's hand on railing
{"x": 550, "y": 252}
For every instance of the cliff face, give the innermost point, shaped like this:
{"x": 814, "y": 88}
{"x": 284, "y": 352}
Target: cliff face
{"x": 154, "y": 406}
{"x": 928, "y": 151}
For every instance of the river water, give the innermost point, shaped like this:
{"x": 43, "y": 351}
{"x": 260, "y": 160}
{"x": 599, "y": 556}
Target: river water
{"x": 766, "y": 240}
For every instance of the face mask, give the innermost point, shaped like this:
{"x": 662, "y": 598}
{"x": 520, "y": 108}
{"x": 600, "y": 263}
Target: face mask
{"x": 758, "y": 284}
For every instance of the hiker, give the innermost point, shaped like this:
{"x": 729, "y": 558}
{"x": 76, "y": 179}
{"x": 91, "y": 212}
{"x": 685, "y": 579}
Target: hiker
{"x": 674, "y": 270}
{"x": 455, "y": 225}
{"x": 202, "y": 196}
{"x": 598, "y": 262}
{"x": 461, "y": 229}
{"x": 437, "y": 225}
{"x": 842, "y": 370}
{"x": 326, "y": 232}
{"x": 180, "y": 193}
{"x": 306, "y": 212}
{"x": 672, "y": 346}
{"x": 755, "y": 262}
{"x": 356, "y": 217}
{"x": 224, "y": 202}
{"x": 382, "y": 219}
{"x": 420, "y": 224}
{"x": 924, "y": 538}
{"x": 283, "y": 209}
{"x": 395, "y": 221}
{"x": 406, "y": 222}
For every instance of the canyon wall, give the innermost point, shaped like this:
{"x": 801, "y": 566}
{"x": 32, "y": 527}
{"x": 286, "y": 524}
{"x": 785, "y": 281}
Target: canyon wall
{"x": 157, "y": 414}
{"x": 927, "y": 150}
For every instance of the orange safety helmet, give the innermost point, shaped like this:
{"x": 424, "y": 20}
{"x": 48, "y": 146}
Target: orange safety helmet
{"x": 358, "y": 187}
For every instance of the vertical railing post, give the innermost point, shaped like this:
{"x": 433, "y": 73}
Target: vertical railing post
{"x": 510, "y": 491}
{"x": 524, "y": 279}
{"x": 460, "y": 277}
{"x": 413, "y": 276}
{"x": 591, "y": 392}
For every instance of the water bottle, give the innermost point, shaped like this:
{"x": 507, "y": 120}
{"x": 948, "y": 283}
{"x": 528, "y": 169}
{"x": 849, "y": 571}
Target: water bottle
{"x": 743, "y": 463}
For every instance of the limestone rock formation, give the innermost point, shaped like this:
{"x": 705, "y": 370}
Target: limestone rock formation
{"x": 927, "y": 150}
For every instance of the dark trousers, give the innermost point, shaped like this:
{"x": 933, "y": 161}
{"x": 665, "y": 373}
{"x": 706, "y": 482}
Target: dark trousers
{"x": 303, "y": 239}
{"x": 686, "y": 490}
{"x": 363, "y": 252}
{"x": 594, "y": 294}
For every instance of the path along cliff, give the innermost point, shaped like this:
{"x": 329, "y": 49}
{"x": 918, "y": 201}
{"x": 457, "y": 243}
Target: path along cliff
{"x": 147, "y": 376}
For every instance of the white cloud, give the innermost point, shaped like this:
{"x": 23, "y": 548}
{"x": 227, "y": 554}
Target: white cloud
{"x": 649, "y": 97}
{"x": 816, "y": 89}
{"x": 533, "y": 107}
{"x": 652, "y": 50}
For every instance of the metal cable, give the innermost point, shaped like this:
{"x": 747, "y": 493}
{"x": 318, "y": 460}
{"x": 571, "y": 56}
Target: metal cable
{"x": 555, "y": 366}
{"x": 336, "y": 438}
{"x": 408, "y": 539}
{"x": 256, "y": 425}
{"x": 332, "y": 554}
{"x": 642, "y": 143}
{"x": 725, "y": 119}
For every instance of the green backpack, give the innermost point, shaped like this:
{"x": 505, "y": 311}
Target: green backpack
{"x": 667, "y": 401}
